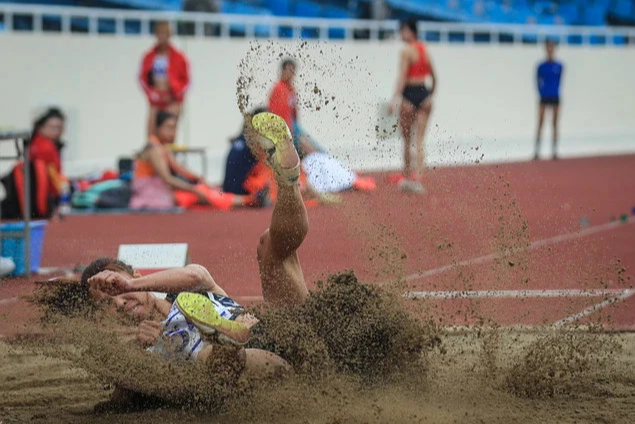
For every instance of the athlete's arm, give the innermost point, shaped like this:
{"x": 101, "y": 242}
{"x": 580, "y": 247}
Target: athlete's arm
{"x": 194, "y": 278}
{"x": 181, "y": 170}
{"x": 433, "y": 75}
{"x": 404, "y": 62}
{"x": 163, "y": 171}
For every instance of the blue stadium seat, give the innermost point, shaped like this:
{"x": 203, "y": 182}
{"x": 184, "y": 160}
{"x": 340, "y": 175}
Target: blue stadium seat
{"x": 333, "y": 12}
{"x": 307, "y": 9}
{"x": 623, "y": 9}
{"x": 146, "y": 4}
{"x": 570, "y": 12}
{"x": 236, "y": 8}
{"x": 546, "y": 20}
{"x": 278, "y": 7}
{"x": 594, "y": 15}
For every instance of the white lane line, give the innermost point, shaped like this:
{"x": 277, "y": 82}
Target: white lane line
{"x": 594, "y": 308}
{"x": 534, "y": 245}
{"x": 512, "y": 293}
{"x": 9, "y": 300}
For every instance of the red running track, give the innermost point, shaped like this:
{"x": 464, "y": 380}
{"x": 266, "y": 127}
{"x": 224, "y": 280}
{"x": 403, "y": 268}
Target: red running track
{"x": 504, "y": 216}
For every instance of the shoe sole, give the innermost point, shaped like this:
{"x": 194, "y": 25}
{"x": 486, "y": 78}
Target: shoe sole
{"x": 198, "y": 309}
{"x": 271, "y": 130}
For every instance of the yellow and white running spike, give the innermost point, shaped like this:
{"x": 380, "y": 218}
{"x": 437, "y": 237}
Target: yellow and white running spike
{"x": 271, "y": 132}
{"x": 200, "y": 311}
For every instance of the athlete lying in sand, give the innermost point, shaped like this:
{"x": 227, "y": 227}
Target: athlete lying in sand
{"x": 194, "y": 323}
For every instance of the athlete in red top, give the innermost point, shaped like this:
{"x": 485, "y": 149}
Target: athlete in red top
{"x": 164, "y": 76}
{"x": 414, "y": 69}
{"x": 283, "y": 98}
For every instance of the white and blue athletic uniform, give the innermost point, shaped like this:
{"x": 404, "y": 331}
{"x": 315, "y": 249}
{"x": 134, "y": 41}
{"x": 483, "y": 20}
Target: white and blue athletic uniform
{"x": 181, "y": 339}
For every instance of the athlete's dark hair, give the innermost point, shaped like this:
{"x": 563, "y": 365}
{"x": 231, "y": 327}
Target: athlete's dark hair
{"x": 411, "y": 24}
{"x": 163, "y": 116}
{"x": 71, "y": 297}
{"x": 103, "y": 264}
{"x": 51, "y": 113}
{"x": 287, "y": 62}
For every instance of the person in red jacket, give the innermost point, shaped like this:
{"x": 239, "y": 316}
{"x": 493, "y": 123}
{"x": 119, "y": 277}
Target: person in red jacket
{"x": 165, "y": 76}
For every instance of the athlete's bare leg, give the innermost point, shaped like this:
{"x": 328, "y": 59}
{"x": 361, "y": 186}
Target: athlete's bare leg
{"x": 556, "y": 110}
{"x": 406, "y": 119}
{"x": 422, "y": 123}
{"x": 541, "y": 118}
{"x": 280, "y": 271}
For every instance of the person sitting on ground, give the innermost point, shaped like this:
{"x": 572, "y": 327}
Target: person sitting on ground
{"x": 160, "y": 182}
{"x": 47, "y": 179}
{"x": 244, "y": 173}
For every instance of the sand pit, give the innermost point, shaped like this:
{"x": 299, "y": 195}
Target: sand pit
{"x": 458, "y": 387}
{"x": 353, "y": 368}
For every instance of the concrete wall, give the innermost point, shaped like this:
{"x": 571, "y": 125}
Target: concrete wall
{"x": 486, "y": 97}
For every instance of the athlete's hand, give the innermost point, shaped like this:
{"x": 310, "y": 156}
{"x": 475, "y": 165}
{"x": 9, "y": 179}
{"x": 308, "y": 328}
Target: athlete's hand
{"x": 111, "y": 283}
{"x": 155, "y": 96}
{"x": 427, "y": 104}
{"x": 149, "y": 333}
{"x": 202, "y": 197}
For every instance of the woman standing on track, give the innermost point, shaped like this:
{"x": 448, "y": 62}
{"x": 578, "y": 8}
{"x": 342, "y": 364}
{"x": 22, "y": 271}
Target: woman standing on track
{"x": 165, "y": 76}
{"x": 414, "y": 69}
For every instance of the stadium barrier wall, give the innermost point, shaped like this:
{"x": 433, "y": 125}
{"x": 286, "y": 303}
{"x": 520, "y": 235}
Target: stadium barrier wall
{"x": 486, "y": 97}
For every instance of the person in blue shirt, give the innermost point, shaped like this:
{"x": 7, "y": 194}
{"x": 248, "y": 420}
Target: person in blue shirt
{"x": 240, "y": 162}
{"x": 548, "y": 79}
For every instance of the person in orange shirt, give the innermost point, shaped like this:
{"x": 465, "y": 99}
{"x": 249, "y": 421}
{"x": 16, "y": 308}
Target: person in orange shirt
{"x": 283, "y": 101}
{"x": 415, "y": 67}
{"x": 160, "y": 182}
{"x": 164, "y": 76}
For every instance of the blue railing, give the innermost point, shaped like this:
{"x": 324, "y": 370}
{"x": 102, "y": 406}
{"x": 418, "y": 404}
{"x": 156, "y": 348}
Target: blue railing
{"x": 94, "y": 21}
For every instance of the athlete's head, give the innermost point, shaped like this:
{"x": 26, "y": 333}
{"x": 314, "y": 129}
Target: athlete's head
{"x": 50, "y": 124}
{"x": 287, "y": 70}
{"x": 550, "y": 48}
{"x": 408, "y": 30}
{"x": 166, "y": 127}
{"x": 136, "y": 305}
{"x": 77, "y": 298}
{"x": 162, "y": 32}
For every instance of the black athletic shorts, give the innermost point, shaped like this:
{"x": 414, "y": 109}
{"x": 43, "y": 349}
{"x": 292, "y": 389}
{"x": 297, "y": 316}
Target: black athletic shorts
{"x": 550, "y": 101}
{"x": 415, "y": 94}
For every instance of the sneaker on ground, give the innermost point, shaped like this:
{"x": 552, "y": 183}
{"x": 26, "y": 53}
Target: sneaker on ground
{"x": 411, "y": 186}
{"x": 200, "y": 311}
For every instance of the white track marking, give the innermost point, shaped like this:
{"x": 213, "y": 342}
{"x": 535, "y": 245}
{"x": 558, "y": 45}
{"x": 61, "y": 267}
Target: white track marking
{"x": 534, "y": 245}
{"x": 9, "y": 300}
{"x": 501, "y": 294}
{"x": 594, "y": 308}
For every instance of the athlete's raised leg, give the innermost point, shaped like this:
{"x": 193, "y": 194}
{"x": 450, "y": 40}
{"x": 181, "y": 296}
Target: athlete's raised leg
{"x": 280, "y": 272}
